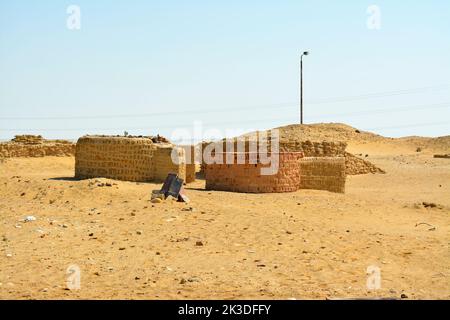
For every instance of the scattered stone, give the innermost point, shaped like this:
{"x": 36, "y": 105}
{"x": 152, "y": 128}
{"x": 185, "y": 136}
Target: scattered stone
{"x": 22, "y": 194}
{"x": 91, "y": 234}
{"x": 404, "y": 296}
{"x": 419, "y": 149}
{"x": 182, "y": 281}
{"x": 29, "y": 218}
{"x": 156, "y": 200}
{"x": 139, "y": 232}
{"x": 444, "y": 156}
{"x": 193, "y": 279}
{"x": 9, "y": 255}
{"x": 429, "y": 205}
{"x": 121, "y": 249}
{"x": 199, "y": 243}
{"x": 188, "y": 209}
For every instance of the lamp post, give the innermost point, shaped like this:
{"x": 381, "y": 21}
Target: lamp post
{"x": 305, "y": 53}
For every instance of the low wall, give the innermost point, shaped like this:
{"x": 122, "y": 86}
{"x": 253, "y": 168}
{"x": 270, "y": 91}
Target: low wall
{"x": 247, "y": 177}
{"x": 36, "y": 149}
{"x": 355, "y": 165}
{"x": 315, "y": 149}
{"x": 126, "y": 158}
{"x": 324, "y": 173}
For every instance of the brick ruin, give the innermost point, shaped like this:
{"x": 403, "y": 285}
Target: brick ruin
{"x": 139, "y": 159}
{"x": 247, "y": 177}
{"x": 324, "y": 173}
{"x": 35, "y": 146}
{"x": 324, "y": 166}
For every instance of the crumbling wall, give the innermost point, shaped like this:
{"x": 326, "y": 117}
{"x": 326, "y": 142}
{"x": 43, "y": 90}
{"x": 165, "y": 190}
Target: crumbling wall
{"x": 315, "y": 149}
{"x": 35, "y": 146}
{"x": 324, "y": 173}
{"x": 355, "y": 165}
{"x": 163, "y": 164}
{"x": 191, "y": 167}
{"x": 126, "y": 158}
{"x": 247, "y": 177}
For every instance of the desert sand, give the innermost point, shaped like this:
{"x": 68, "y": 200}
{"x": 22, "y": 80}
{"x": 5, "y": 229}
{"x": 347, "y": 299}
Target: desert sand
{"x": 301, "y": 245}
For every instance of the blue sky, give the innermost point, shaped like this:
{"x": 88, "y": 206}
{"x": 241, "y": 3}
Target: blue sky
{"x": 151, "y": 67}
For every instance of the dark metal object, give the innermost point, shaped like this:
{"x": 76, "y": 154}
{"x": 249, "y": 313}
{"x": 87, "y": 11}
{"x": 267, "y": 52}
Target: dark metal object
{"x": 305, "y": 53}
{"x": 172, "y": 186}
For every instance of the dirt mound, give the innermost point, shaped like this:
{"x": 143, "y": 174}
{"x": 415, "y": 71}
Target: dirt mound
{"x": 326, "y": 132}
{"x": 328, "y": 140}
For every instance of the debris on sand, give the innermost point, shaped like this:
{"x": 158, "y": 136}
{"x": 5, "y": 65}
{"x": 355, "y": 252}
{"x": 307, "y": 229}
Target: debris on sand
{"x": 29, "y": 219}
{"x": 444, "y": 156}
{"x": 172, "y": 189}
{"x": 156, "y": 200}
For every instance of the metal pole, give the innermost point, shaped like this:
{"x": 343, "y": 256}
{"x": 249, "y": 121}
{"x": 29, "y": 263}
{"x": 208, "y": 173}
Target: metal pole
{"x": 301, "y": 89}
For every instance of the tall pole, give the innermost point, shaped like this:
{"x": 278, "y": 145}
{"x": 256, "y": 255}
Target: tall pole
{"x": 305, "y": 53}
{"x": 301, "y": 89}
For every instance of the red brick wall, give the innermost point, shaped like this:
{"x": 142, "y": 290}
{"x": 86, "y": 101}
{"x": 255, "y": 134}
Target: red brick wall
{"x": 247, "y": 177}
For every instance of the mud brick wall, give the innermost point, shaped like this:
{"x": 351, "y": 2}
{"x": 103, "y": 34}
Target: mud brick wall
{"x": 163, "y": 165}
{"x": 122, "y": 158}
{"x": 191, "y": 166}
{"x": 28, "y": 139}
{"x": 315, "y": 149}
{"x": 247, "y": 177}
{"x": 325, "y": 173}
{"x": 14, "y": 149}
{"x": 355, "y": 165}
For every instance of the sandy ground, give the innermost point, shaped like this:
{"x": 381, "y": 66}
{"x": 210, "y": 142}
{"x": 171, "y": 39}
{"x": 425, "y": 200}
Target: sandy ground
{"x": 307, "y": 244}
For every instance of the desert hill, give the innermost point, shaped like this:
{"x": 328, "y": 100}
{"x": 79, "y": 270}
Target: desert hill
{"x": 359, "y": 141}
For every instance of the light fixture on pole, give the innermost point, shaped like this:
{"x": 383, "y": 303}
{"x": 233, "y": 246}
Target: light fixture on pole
{"x": 305, "y": 53}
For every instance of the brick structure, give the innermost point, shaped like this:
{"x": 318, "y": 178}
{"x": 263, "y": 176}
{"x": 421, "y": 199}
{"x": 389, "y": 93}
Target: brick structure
{"x": 324, "y": 173}
{"x": 127, "y": 158}
{"x": 35, "y": 146}
{"x": 191, "y": 167}
{"x": 247, "y": 177}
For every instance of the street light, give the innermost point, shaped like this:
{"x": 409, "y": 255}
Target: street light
{"x": 305, "y": 53}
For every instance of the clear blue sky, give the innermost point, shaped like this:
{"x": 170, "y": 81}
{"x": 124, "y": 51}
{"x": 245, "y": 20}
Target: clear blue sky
{"x": 146, "y": 66}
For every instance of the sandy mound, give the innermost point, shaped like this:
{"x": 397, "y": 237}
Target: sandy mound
{"x": 360, "y": 144}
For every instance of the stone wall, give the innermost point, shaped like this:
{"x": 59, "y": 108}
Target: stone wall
{"x": 355, "y": 165}
{"x": 324, "y": 173}
{"x": 191, "y": 166}
{"x": 247, "y": 177}
{"x": 126, "y": 158}
{"x": 36, "y": 146}
{"x": 315, "y": 149}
